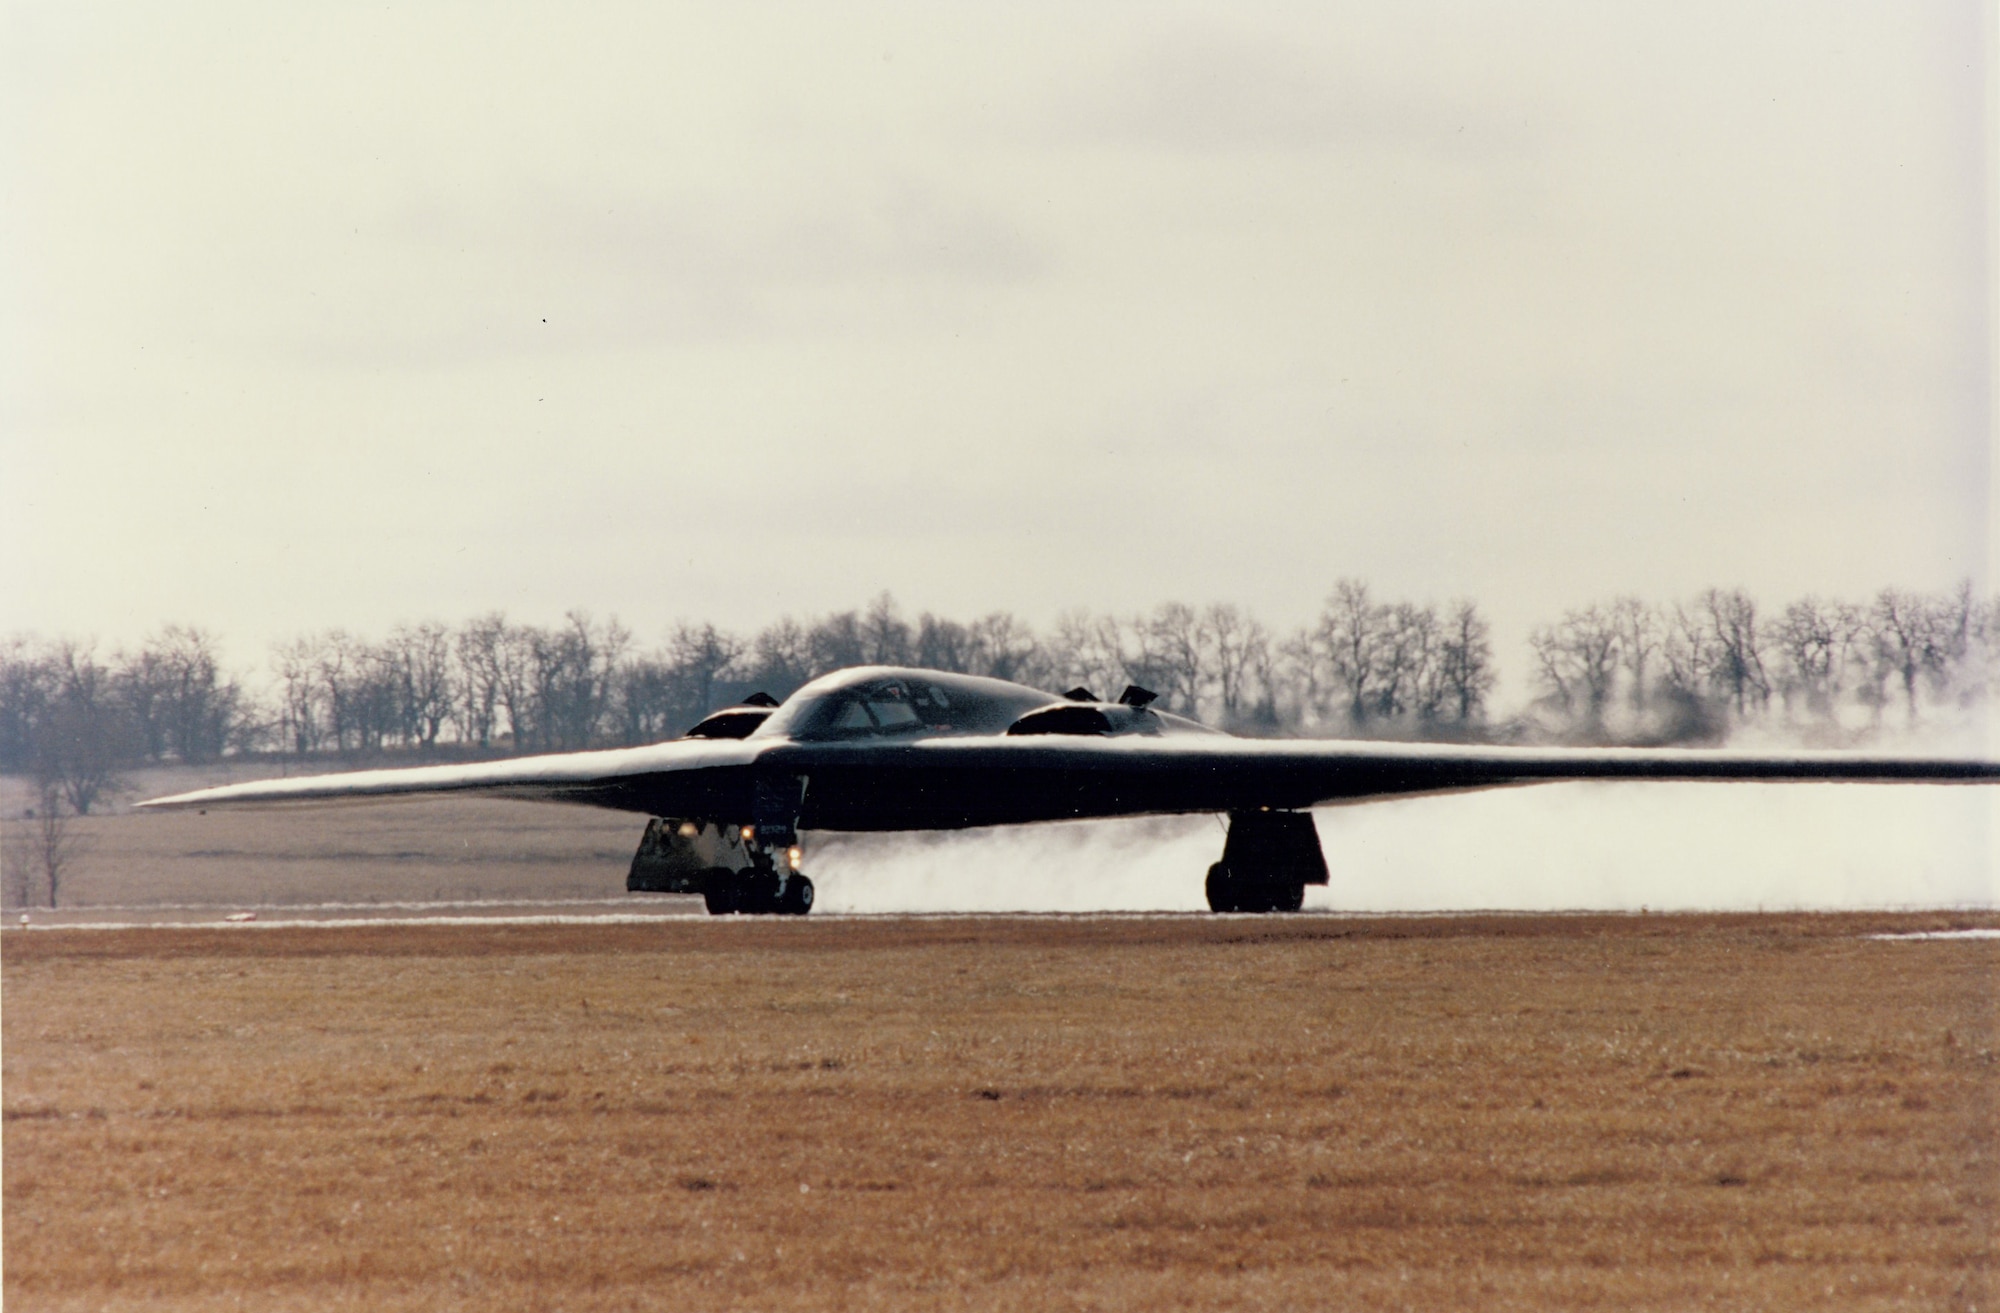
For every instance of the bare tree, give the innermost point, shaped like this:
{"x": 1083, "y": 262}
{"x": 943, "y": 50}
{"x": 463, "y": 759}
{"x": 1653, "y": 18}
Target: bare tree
{"x": 1985, "y": 669}
{"x": 1902, "y": 622}
{"x": 1301, "y": 668}
{"x": 1854, "y": 658}
{"x": 1688, "y": 655}
{"x": 572, "y": 679}
{"x": 1170, "y": 659}
{"x": 1003, "y": 646}
{"x": 200, "y": 702}
{"x": 1089, "y": 651}
{"x": 1739, "y": 662}
{"x": 1406, "y": 681}
{"x": 45, "y": 850}
{"x": 697, "y": 655}
{"x": 943, "y": 644}
{"x": 514, "y": 680}
{"x": 27, "y": 687}
{"x": 18, "y": 879}
{"x": 419, "y": 661}
{"x": 781, "y": 657}
{"x": 1465, "y": 664}
{"x": 1350, "y": 640}
{"x": 476, "y": 654}
{"x": 296, "y": 663}
{"x": 1811, "y": 640}
{"x": 83, "y": 738}
{"x": 337, "y": 656}
{"x": 650, "y": 698}
{"x": 1637, "y": 627}
{"x": 141, "y": 682}
{"x": 373, "y": 697}
{"x": 1950, "y": 637}
{"x": 885, "y": 636}
{"x": 1577, "y": 660}
{"x": 837, "y": 641}
{"x": 1240, "y": 651}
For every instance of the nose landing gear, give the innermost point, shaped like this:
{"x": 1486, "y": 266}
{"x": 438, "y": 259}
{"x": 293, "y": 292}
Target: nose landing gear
{"x": 735, "y": 868}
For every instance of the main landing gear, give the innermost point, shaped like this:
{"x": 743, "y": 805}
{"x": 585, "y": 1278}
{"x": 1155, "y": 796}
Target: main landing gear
{"x": 1231, "y": 892}
{"x": 755, "y": 892}
{"x": 1267, "y": 862}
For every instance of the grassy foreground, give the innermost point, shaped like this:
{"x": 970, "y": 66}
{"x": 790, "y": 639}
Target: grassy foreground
{"x": 1498, "y": 1112}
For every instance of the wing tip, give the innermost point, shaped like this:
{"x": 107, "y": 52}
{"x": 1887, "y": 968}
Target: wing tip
{"x": 174, "y": 802}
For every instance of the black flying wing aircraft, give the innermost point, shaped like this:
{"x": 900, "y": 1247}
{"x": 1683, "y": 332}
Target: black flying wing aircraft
{"x": 880, "y": 748}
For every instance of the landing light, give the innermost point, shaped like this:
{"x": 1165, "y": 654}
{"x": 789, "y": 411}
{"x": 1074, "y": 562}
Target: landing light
{"x": 749, "y": 833}
{"x": 795, "y": 855}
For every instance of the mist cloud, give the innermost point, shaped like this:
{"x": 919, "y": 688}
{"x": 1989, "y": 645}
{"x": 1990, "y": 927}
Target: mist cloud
{"x": 1558, "y": 847}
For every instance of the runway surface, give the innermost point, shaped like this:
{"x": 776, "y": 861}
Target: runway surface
{"x": 652, "y": 909}
{"x": 564, "y": 911}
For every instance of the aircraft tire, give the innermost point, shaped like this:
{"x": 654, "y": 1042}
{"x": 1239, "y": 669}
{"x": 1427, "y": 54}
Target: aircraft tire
{"x": 1230, "y": 892}
{"x": 759, "y": 893}
{"x": 798, "y": 896}
{"x": 721, "y": 891}
{"x": 1225, "y": 892}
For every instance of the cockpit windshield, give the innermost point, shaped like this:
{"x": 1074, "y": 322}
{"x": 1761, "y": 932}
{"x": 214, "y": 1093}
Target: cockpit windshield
{"x": 863, "y": 704}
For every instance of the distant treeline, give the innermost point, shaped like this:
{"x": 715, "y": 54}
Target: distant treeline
{"x": 1624, "y": 670}
{"x": 1627, "y": 671}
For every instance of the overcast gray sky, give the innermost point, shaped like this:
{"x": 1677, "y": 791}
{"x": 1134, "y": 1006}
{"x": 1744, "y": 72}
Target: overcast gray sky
{"x": 324, "y": 315}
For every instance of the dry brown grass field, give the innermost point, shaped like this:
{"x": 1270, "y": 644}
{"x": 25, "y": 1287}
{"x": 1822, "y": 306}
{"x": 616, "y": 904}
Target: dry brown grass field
{"x": 1023, "y": 1113}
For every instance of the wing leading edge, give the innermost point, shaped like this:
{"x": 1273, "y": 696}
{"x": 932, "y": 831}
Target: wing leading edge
{"x": 706, "y": 772}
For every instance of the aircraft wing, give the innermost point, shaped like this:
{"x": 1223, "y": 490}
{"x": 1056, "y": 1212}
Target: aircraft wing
{"x": 952, "y": 782}
{"x": 627, "y": 779}
{"x": 945, "y": 783}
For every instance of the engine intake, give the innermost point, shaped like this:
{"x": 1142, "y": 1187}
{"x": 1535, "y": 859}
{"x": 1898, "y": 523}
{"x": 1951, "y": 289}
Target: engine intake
{"x": 730, "y": 723}
{"x": 1066, "y": 718}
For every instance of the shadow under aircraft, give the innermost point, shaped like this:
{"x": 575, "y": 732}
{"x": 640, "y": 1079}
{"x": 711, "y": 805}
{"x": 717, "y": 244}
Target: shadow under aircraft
{"x": 882, "y": 748}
